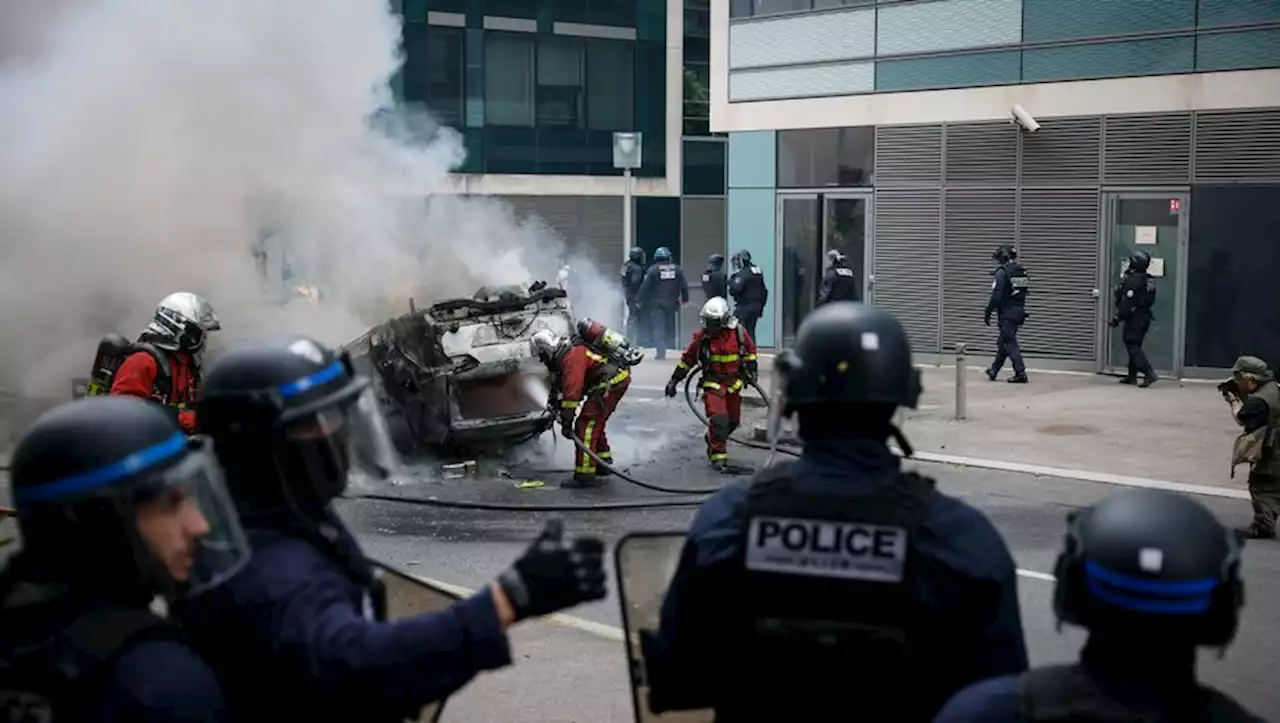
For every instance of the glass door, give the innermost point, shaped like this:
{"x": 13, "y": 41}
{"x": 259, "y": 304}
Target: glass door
{"x": 800, "y": 259}
{"x": 1155, "y": 223}
{"x": 846, "y": 228}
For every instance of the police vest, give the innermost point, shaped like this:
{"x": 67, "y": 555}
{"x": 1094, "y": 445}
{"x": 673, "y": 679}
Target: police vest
{"x": 1017, "y": 283}
{"x": 61, "y": 679}
{"x": 1136, "y": 293}
{"x": 843, "y": 287}
{"x": 1066, "y": 693}
{"x": 819, "y": 594}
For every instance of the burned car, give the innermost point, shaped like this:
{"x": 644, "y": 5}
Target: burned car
{"x": 459, "y": 377}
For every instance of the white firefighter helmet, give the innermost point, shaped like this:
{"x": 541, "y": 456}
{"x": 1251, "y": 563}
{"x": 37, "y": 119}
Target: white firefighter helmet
{"x": 546, "y": 345}
{"x": 715, "y": 314}
{"x": 181, "y": 322}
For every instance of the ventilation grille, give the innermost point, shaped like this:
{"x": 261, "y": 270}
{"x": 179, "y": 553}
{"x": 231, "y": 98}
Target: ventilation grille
{"x": 909, "y": 156}
{"x": 1058, "y": 243}
{"x": 1238, "y": 147}
{"x": 1148, "y": 150}
{"x": 1064, "y": 152}
{"x": 975, "y": 221}
{"x": 907, "y": 251}
{"x": 589, "y": 224}
{"x": 982, "y": 154}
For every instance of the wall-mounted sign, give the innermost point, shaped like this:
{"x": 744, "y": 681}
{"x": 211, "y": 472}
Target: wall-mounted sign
{"x": 1144, "y": 235}
{"x": 1175, "y": 205}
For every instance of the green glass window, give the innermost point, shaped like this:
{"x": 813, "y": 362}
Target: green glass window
{"x": 1047, "y": 20}
{"x": 952, "y": 71}
{"x": 561, "y": 82}
{"x": 1159, "y": 56}
{"x": 610, "y": 85}
{"x": 1216, "y": 13}
{"x": 445, "y": 73}
{"x": 1248, "y": 49}
{"x": 509, "y": 79}
{"x": 704, "y": 168}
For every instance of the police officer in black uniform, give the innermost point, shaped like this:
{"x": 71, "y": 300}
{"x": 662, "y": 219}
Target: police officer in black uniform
{"x": 1009, "y": 287}
{"x": 838, "y": 282}
{"x": 300, "y": 634}
{"x": 825, "y": 588}
{"x": 115, "y": 506}
{"x": 748, "y": 291}
{"x": 1134, "y": 297}
{"x": 1152, "y": 575}
{"x": 632, "y": 277}
{"x": 714, "y": 281}
{"x": 662, "y": 294}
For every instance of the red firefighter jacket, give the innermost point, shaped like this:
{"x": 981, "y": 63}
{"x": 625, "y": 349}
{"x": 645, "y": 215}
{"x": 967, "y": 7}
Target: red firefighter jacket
{"x": 721, "y": 354}
{"x": 583, "y": 372}
{"x": 136, "y": 377}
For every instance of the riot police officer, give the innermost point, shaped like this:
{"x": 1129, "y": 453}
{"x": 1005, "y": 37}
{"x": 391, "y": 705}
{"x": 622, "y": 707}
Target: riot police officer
{"x": 1134, "y": 296}
{"x": 1009, "y": 287}
{"x": 794, "y": 598}
{"x": 662, "y": 294}
{"x": 714, "y": 281}
{"x": 632, "y": 277}
{"x": 838, "y": 282}
{"x": 1151, "y": 575}
{"x": 115, "y": 506}
{"x": 299, "y": 634}
{"x": 748, "y": 291}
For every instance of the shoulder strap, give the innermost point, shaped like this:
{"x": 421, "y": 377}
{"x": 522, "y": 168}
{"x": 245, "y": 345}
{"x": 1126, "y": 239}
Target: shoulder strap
{"x": 164, "y": 376}
{"x": 102, "y": 634}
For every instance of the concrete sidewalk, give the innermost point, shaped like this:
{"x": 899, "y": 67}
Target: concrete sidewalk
{"x": 1176, "y": 431}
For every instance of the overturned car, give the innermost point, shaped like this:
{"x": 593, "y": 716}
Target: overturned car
{"x": 459, "y": 377}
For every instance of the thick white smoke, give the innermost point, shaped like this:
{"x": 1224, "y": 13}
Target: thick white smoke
{"x": 150, "y": 146}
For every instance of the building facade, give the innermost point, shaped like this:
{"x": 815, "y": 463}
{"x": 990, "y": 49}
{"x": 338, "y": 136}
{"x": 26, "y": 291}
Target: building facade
{"x": 538, "y": 87}
{"x": 884, "y": 129}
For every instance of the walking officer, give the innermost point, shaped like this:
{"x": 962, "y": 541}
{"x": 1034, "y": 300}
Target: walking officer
{"x": 632, "y": 277}
{"x": 1152, "y": 576}
{"x": 115, "y": 506}
{"x": 822, "y": 587}
{"x": 1134, "y": 297}
{"x": 300, "y": 634}
{"x": 1009, "y": 287}
{"x": 748, "y": 291}
{"x": 714, "y": 281}
{"x": 838, "y": 282}
{"x": 662, "y": 294}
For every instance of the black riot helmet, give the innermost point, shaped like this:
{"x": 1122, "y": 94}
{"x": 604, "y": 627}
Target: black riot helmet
{"x": 715, "y": 261}
{"x": 1004, "y": 253}
{"x": 1139, "y": 261}
{"x": 741, "y": 259}
{"x": 1150, "y": 565}
{"x": 846, "y": 352}
{"x": 88, "y": 473}
{"x": 662, "y": 254}
{"x": 291, "y": 420}
{"x": 636, "y": 254}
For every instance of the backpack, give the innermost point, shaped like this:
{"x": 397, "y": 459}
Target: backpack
{"x": 112, "y": 351}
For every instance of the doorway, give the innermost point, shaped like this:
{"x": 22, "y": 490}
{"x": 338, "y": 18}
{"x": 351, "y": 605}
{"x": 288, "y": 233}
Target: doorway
{"x": 809, "y": 225}
{"x": 1156, "y": 223}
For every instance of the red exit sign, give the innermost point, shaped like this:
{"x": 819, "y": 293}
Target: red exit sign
{"x": 1175, "y": 205}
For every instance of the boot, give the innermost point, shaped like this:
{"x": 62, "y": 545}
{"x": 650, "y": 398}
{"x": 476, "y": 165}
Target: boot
{"x": 991, "y": 373}
{"x": 581, "y": 481}
{"x": 1253, "y": 532}
{"x": 1128, "y": 380}
{"x": 1148, "y": 380}
{"x": 1018, "y": 378}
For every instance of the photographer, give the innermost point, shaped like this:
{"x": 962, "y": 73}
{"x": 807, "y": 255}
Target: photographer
{"x": 1255, "y": 404}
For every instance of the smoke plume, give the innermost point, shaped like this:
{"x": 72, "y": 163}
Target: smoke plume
{"x": 152, "y": 146}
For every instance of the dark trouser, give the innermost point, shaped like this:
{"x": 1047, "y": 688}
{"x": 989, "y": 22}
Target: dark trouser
{"x": 635, "y": 329}
{"x": 1007, "y": 347}
{"x": 1134, "y": 331}
{"x": 663, "y": 330}
{"x": 1264, "y": 490}
{"x": 748, "y": 318}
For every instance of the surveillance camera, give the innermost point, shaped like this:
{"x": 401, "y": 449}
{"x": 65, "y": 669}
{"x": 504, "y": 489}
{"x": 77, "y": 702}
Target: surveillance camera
{"x": 1025, "y": 119}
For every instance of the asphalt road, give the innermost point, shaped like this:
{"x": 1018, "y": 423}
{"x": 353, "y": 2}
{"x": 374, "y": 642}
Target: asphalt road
{"x": 565, "y": 673}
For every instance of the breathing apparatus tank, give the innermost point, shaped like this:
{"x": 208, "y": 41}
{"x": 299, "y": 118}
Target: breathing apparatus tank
{"x": 608, "y": 343}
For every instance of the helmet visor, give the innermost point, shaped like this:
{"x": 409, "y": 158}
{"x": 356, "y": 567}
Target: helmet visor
{"x": 348, "y": 437}
{"x": 194, "y": 491}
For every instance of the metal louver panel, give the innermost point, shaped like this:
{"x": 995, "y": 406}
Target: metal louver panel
{"x": 1064, "y": 152}
{"x": 906, "y": 253}
{"x": 982, "y": 154}
{"x": 1147, "y": 150}
{"x": 908, "y": 156}
{"x": 702, "y": 233}
{"x": 590, "y": 225}
{"x": 974, "y": 221}
{"x": 1238, "y": 147}
{"x": 1058, "y": 243}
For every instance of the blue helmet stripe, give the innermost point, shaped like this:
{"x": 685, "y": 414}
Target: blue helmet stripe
{"x": 127, "y": 467}
{"x": 328, "y": 374}
{"x": 1129, "y": 583}
{"x": 1186, "y": 606}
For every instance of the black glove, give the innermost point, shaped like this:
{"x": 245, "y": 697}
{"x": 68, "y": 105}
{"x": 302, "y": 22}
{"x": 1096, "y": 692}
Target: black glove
{"x": 749, "y": 372}
{"x": 1230, "y": 390}
{"x": 986, "y": 318}
{"x": 566, "y": 426}
{"x": 1114, "y": 323}
{"x": 552, "y": 576}
{"x": 670, "y": 389}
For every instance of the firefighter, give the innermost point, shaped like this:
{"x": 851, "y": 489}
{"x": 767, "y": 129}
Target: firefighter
{"x": 727, "y": 355}
{"x": 164, "y": 364}
{"x": 582, "y": 377}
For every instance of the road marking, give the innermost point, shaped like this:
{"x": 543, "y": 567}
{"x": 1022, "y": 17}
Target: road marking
{"x": 610, "y": 632}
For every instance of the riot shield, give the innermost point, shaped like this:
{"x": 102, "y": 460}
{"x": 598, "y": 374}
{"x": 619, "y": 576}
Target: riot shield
{"x": 408, "y": 596}
{"x": 645, "y": 563}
